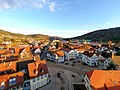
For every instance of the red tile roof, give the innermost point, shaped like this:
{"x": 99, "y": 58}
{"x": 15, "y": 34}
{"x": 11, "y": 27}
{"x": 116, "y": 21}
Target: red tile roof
{"x": 87, "y": 53}
{"x": 60, "y": 53}
{"x": 2, "y": 52}
{"x": 5, "y": 78}
{"x": 8, "y": 66}
{"x": 67, "y": 50}
{"x": 101, "y": 79}
{"x": 37, "y": 68}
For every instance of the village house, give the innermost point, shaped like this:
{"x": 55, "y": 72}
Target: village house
{"x": 79, "y": 51}
{"x": 95, "y": 59}
{"x": 116, "y": 60}
{"x": 102, "y": 80}
{"x": 24, "y": 52}
{"x": 89, "y": 58}
{"x": 103, "y": 62}
{"x": 70, "y": 54}
{"x": 10, "y": 79}
{"x": 57, "y": 56}
{"x": 38, "y": 73}
{"x": 7, "y": 55}
{"x": 104, "y": 46}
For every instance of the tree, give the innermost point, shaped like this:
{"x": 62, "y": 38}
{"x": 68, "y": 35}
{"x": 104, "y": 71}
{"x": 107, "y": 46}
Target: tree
{"x": 118, "y": 53}
{"x": 112, "y": 66}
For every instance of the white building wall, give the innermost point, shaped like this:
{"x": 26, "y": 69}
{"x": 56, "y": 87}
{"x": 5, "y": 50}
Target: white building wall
{"x": 61, "y": 59}
{"x": 87, "y": 83}
{"x": 107, "y": 63}
{"x": 72, "y": 54}
{"x": 37, "y": 83}
{"x": 66, "y": 55}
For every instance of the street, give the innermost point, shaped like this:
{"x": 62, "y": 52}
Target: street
{"x": 69, "y": 76}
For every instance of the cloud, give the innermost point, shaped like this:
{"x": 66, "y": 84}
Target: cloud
{"x": 52, "y": 6}
{"x": 6, "y": 4}
{"x": 38, "y": 4}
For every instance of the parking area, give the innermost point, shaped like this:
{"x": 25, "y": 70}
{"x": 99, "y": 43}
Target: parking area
{"x": 64, "y": 76}
{"x": 77, "y": 64}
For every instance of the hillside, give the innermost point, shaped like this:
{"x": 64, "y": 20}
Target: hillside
{"x": 20, "y": 38}
{"x": 103, "y": 35}
{"x": 39, "y": 36}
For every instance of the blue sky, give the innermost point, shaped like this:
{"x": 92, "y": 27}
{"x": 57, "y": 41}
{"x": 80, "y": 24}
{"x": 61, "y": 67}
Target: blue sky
{"x": 64, "y": 18}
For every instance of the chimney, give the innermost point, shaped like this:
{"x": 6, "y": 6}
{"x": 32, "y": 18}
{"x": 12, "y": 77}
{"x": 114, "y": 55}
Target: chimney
{"x": 4, "y": 63}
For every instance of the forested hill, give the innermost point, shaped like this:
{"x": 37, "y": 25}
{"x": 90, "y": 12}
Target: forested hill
{"x": 104, "y": 35}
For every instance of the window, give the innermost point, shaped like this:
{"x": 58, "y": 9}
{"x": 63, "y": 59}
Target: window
{"x": 41, "y": 70}
{"x": 12, "y": 81}
{"x": 38, "y": 84}
{"x": 88, "y": 62}
{"x": 42, "y": 83}
{"x": 41, "y": 77}
{"x": 87, "y": 80}
{"x": 34, "y": 80}
{"x": 34, "y": 86}
{"x": 37, "y": 78}
{"x": 44, "y": 76}
{"x": 2, "y": 86}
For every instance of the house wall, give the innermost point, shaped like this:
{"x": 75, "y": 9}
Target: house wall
{"x": 87, "y": 83}
{"x": 90, "y": 61}
{"x": 61, "y": 59}
{"x": 39, "y": 81}
{"x": 66, "y": 55}
{"x": 106, "y": 63}
{"x": 72, "y": 54}
{"x": 18, "y": 87}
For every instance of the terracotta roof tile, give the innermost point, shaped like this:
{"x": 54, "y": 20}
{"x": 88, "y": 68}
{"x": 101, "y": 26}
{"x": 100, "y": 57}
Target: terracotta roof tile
{"x": 87, "y": 53}
{"x": 104, "y": 79}
{"x": 5, "y": 78}
{"x": 60, "y": 53}
{"x": 8, "y": 66}
{"x": 37, "y": 68}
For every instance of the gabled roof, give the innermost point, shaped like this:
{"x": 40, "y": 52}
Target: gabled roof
{"x": 60, "y": 53}
{"x": 28, "y": 49}
{"x": 90, "y": 54}
{"x": 5, "y": 52}
{"x": 87, "y": 46}
{"x": 66, "y": 50}
{"x": 8, "y": 58}
{"x": 87, "y": 53}
{"x": 5, "y": 79}
{"x": 101, "y": 79}
{"x": 37, "y": 68}
{"x": 8, "y": 66}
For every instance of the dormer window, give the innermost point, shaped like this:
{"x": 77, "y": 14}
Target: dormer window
{"x": 12, "y": 81}
{"x": 41, "y": 70}
{"x": 2, "y": 86}
{"x": 35, "y": 71}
